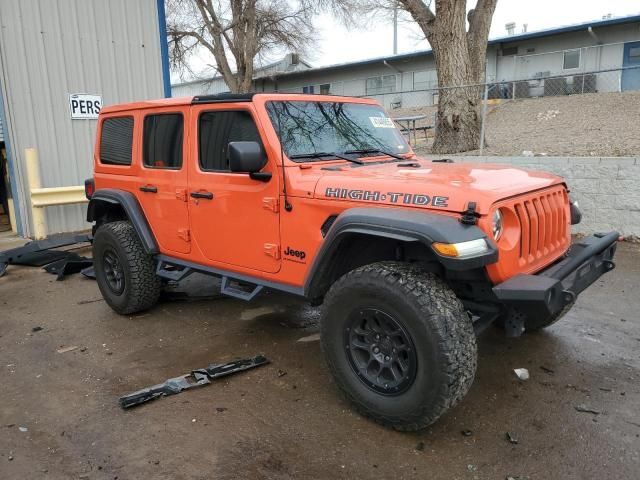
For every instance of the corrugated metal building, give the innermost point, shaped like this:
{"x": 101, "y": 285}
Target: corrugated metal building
{"x": 52, "y": 49}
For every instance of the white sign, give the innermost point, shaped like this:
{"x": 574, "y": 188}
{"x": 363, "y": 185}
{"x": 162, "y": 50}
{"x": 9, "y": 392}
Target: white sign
{"x": 84, "y": 106}
{"x": 382, "y": 122}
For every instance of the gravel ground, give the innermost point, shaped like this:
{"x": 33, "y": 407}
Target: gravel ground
{"x": 594, "y": 124}
{"x": 59, "y": 416}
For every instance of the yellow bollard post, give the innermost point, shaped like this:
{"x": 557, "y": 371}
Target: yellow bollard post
{"x": 33, "y": 175}
{"x": 12, "y": 216}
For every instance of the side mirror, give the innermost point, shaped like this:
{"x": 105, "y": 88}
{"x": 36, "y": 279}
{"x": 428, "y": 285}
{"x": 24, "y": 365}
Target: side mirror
{"x": 246, "y": 157}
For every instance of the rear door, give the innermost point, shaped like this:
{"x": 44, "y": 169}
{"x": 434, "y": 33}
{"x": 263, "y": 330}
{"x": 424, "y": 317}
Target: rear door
{"x": 162, "y": 186}
{"x": 234, "y": 219}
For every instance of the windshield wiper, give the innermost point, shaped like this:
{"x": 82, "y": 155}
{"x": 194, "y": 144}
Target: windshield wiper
{"x": 375, "y": 150}
{"x": 327, "y": 154}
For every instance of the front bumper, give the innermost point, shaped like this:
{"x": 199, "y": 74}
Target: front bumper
{"x": 546, "y": 293}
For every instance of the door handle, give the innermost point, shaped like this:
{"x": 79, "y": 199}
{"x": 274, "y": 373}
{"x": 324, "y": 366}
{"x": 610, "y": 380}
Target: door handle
{"x": 204, "y": 195}
{"x": 149, "y": 189}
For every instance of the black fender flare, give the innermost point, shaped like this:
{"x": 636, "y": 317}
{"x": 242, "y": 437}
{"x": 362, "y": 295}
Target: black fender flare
{"x": 403, "y": 225}
{"x": 102, "y": 198}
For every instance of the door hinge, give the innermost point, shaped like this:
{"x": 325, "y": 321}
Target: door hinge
{"x": 270, "y": 203}
{"x": 184, "y": 234}
{"x": 273, "y": 250}
{"x": 181, "y": 194}
{"x": 470, "y": 216}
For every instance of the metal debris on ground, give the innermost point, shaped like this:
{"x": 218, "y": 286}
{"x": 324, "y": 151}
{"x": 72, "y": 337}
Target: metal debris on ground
{"x": 311, "y": 338}
{"x": 40, "y": 252}
{"x": 197, "y": 378}
{"x": 89, "y": 273}
{"x": 522, "y": 373}
{"x": 67, "y": 349}
{"x": 36, "y": 329}
{"x": 466, "y": 433}
{"x": 72, "y": 263}
{"x": 512, "y": 439}
{"x": 584, "y": 409}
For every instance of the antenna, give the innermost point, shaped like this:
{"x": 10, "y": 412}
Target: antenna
{"x": 287, "y": 206}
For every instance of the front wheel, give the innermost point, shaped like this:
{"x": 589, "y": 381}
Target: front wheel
{"x": 398, "y": 343}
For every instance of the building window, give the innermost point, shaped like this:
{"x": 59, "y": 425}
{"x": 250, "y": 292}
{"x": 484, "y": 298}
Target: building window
{"x": 325, "y": 89}
{"x": 216, "y": 130}
{"x": 571, "y": 59}
{"x": 420, "y": 80}
{"x": 162, "y": 141}
{"x": 382, "y": 84}
{"x": 308, "y": 89}
{"x": 116, "y": 139}
{"x": 508, "y": 51}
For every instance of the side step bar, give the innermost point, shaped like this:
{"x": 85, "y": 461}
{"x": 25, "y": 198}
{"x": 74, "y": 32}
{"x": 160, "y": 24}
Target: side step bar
{"x": 227, "y": 287}
{"x": 231, "y": 286}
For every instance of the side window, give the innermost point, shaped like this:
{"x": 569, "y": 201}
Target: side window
{"x": 116, "y": 140}
{"x": 162, "y": 141}
{"x": 216, "y": 130}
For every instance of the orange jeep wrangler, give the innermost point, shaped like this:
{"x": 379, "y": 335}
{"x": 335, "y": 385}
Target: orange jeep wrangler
{"x": 321, "y": 197}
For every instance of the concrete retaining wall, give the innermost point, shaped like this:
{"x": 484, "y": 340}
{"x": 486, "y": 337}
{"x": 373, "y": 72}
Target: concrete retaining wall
{"x": 607, "y": 189}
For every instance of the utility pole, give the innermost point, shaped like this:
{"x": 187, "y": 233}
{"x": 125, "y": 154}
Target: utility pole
{"x": 395, "y": 29}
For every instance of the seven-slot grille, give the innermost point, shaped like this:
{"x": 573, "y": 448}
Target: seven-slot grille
{"x": 543, "y": 224}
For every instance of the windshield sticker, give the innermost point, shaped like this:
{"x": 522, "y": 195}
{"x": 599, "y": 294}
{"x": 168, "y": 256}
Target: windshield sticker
{"x": 382, "y": 122}
{"x": 391, "y": 197}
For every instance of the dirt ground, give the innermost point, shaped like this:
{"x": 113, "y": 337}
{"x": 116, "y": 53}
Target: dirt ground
{"x": 60, "y": 419}
{"x": 593, "y": 124}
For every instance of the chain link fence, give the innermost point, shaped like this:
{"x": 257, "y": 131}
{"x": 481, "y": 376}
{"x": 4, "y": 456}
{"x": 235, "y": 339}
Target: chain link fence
{"x": 585, "y": 113}
{"x": 591, "y": 113}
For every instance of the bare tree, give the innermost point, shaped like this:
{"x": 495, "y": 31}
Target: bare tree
{"x": 237, "y": 33}
{"x": 460, "y": 56}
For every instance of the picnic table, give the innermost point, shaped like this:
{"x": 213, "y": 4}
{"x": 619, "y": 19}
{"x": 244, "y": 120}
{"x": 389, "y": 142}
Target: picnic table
{"x": 408, "y": 124}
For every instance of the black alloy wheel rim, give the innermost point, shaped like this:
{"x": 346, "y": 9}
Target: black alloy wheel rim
{"x": 113, "y": 271}
{"x": 380, "y": 351}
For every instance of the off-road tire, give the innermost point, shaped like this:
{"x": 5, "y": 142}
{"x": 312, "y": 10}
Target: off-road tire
{"x": 141, "y": 286}
{"x": 437, "y": 325}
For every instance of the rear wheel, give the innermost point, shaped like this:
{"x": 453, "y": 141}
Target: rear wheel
{"x": 399, "y": 344}
{"x": 124, "y": 271}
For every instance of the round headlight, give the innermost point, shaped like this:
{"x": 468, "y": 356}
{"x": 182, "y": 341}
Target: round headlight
{"x": 496, "y": 224}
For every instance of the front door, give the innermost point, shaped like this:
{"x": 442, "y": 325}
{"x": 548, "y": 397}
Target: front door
{"x": 162, "y": 185}
{"x": 234, "y": 219}
{"x": 631, "y": 63}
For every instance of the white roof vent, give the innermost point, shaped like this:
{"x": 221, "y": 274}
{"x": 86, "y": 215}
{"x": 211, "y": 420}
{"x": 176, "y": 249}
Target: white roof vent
{"x": 511, "y": 28}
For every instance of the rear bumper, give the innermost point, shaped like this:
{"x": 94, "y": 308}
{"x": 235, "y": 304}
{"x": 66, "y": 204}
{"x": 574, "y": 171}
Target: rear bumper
{"x": 546, "y": 293}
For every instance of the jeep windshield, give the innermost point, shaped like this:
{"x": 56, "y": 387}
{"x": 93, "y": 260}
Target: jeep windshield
{"x": 312, "y": 131}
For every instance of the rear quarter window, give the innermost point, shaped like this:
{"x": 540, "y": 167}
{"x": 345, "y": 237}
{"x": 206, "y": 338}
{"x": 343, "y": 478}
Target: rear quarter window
{"x": 162, "y": 141}
{"x": 116, "y": 141}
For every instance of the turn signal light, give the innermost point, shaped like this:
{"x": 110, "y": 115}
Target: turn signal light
{"x": 468, "y": 249}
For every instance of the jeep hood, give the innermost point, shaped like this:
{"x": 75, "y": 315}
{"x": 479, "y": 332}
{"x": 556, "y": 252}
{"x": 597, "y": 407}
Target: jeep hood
{"x": 424, "y": 184}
